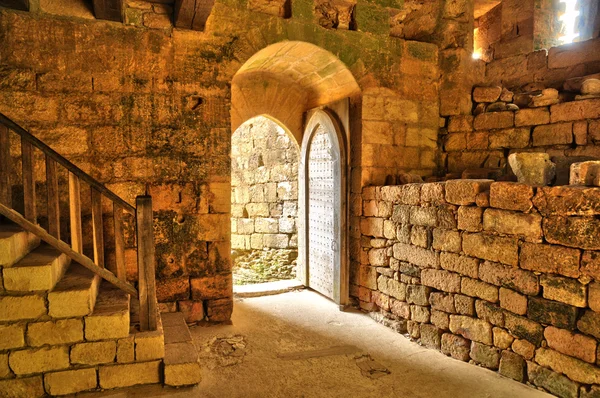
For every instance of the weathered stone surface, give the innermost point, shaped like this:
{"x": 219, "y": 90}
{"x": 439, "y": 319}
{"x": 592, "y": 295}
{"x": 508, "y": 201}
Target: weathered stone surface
{"x": 400, "y": 308}
{"x": 464, "y": 192}
{"x": 24, "y": 387}
{"x": 94, "y": 353}
{"x": 416, "y": 255}
{"x": 418, "y": 294}
{"x": 584, "y": 173}
{"x": 532, "y": 117}
{"x": 529, "y": 226}
{"x": 181, "y": 365}
{"x": 70, "y": 381}
{"x": 532, "y": 168}
{"x": 572, "y": 344}
{"x": 442, "y": 302}
{"x": 39, "y": 360}
{"x": 568, "y": 201}
{"x": 502, "y": 339}
{"x": 513, "y": 138}
{"x": 486, "y": 94}
{"x": 485, "y": 355}
{"x": 14, "y": 308}
{"x": 513, "y": 278}
{"x": 489, "y": 312}
{"x": 594, "y": 296}
{"x": 114, "y": 376}
{"x": 550, "y": 259}
{"x": 441, "y": 280}
{"x": 456, "y": 346}
{"x": 460, "y": 123}
{"x": 581, "y": 232}
{"x": 551, "y": 313}
{"x": 494, "y": 120}
{"x": 12, "y": 336}
{"x": 471, "y": 328}
{"x": 464, "y": 305}
{"x": 431, "y": 336}
{"x": 524, "y": 348}
{"x": 493, "y": 248}
{"x": 513, "y": 301}
{"x": 590, "y": 264}
{"x": 419, "y": 314}
{"x": 553, "y": 134}
{"x": 63, "y": 331}
{"x": 512, "y": 365}
{"x": 463, "y": 265}
{"x": 426, "y": 216}
{"x": 574, "y": 369}
{"x": 511, "y": 196}
{"x": 555, "y": 383}
{"x": 392, "y": 287}
{"x": 446, "y": 240}
{"x": 565, "y": 290}
{"x": 476, "y": 288}
{"x": 125, "y": 350}
{"x": 589, "y": 323}
{"x": 440, "y": 319}
{"x": 524, "y": 328}
{"x": 469, "y": 218}
{"x": 433, "y": 192}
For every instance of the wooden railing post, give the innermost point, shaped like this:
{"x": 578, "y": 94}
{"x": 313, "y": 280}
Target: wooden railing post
{"x": 53, "y": 200}
{"x": 119, "y": 270}
{"x": 5, "y": 169}
{"x": 97, "y": 230}
{"x": 146, "y": 265}
{"x": 28, "y": 180}
{"x": 75, "y": 213}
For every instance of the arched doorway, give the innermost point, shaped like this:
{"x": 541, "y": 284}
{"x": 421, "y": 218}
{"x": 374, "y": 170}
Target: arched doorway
{"x": 308, "y": 90}
{"x": 322, "y": 199}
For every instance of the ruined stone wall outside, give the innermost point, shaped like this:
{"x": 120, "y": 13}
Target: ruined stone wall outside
{"x": 500, "y": 273}
{"x": 264, "y": 187}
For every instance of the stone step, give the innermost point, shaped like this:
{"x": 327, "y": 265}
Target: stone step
{"x": 110, "y": 318}
{"x": 15, "y": 244}
{"x": 75, "y": 294}
{"x": 181, "y": 358}
{"x": 41, "y": 269}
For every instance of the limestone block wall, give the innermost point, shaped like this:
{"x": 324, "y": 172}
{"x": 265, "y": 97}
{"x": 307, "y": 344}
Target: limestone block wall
{"x": 264, "y": 187}
{"x": 498, "y": 273}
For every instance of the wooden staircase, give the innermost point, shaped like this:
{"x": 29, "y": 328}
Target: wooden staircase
{"x": 70, "y": 320}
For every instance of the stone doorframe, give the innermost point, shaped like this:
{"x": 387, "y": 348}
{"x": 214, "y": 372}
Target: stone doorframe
{"x": 333, "y": 118}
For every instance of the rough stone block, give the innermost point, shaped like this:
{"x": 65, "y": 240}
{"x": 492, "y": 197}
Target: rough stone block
{"x": 30, "y": 387}
{"x": 5, "y": 371}
{"x": 418, "y": 294}
{"x": 553, "y": 134}
{"x": 489, "y": 312}
{"x": 590, "y": 264}
{"x": 39, "y": 360}
{"x": 469, "y": 218}
{"x": 528, "y": 226}
{"x": 193, "y": 310}
{"x": 419, "y": 314}
{"x": 464, "y": 305}
{"x": 15, "y": 308}
{"x": 575, "y": 110}
{"x": 211, "y": 287}
{"x": 63, "y": 331}
{"x": 574, "y": 369}
{"x": 532, "y": 168}
{"x": 502, "y": 339}
{"x": 513, "y": 301}
{"x": 476, "y": 288}
{"x": 461, "y": 123}
{"x": 440, "y": 319}
{"x": 572, "y": 344}
{"x": 511, "y": 196}
{"x": 490, "y": 247}
{"x": 584, "y": 173}
{"x": 510, "y": 277}
{"x": 372, "y": 226}
{"x": 512, "y": 138}
{"x": 442, "y": 302}
{"x": 125, "y": 350}
{"x": 580, "y": 232}
{"x": 433, "y": 192}
{"x": 441, "y": 280}
{"x": 513, "y": 366}
{"x": 416, "y": 255}
{"x": 446, "y": 240}
{"x": 524, "y": 328}
{"x": 94, "y": 353}
{"x": 485, "y": 355}
{"x": 594, "y": 296}
{"x": 391, "y": 287}
{"x": 463, "y": 265}
{"x": 494, "y": 120}
{"x": 565, "y": 290}
{"x": 486, "y": 94}
{"x": 70, "y": 381}
{"x": 456, "y": 346}
{"x": 181, "y": 365}
{"x": 589, "y": 323}
{"x": 550, "y": 259}
{"x": 554, "y": 383}
{"x": 115, "y": 376}
{"x": 532, "y": 117}
{"x": 12, "y": 336}
{"x": 524, "y": 348}
{"x": 568, "y": 201}
{"x": 464, "y": 192}
{"x": 420, "y": 236}
{"x": 551, "y": 313}
{"x": 219, "y": 310}
{"x": 425, "y": 216}
{"x": 471, "y": 328}
{"x": 400, "y": 308}
{"x": 431, "y": 336}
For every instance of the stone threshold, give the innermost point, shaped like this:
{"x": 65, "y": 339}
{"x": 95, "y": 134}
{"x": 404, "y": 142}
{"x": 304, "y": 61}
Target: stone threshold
{"x": 266, "y": 289}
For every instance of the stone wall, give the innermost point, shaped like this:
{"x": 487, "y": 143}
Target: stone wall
{"x": 264, "y": 187}
{"x": 500, "y": 273}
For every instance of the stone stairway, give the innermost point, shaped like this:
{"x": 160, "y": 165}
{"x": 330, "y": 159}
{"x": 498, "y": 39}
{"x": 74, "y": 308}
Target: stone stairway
{"x": 63, "y": 330}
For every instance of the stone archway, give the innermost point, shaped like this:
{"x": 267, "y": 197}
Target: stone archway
{"x": 285, "y": 81}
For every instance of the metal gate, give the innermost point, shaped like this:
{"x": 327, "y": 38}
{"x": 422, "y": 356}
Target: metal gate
{"x": 323, "y": 250}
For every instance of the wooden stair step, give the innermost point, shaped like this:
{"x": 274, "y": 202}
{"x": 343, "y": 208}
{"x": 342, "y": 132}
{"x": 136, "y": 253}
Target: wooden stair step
{"x": 181, "y": 358}
{"x": 15, "y": 244}
{"x": 110, "y": 318}
{"x": 75, "y": 294}
{"x": 41, "y": 269}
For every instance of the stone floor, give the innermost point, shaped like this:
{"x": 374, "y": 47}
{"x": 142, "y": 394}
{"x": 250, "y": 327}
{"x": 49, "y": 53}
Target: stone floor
{"x": 299, "y": 344}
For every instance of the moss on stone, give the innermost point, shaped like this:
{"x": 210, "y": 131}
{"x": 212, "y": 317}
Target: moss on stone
{"x": 372, "y": 18}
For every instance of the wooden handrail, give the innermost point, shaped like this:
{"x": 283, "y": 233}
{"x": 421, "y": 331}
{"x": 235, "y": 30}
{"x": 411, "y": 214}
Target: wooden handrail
{"x": 66, "y": 249}
{"x": 52, "y": 154}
